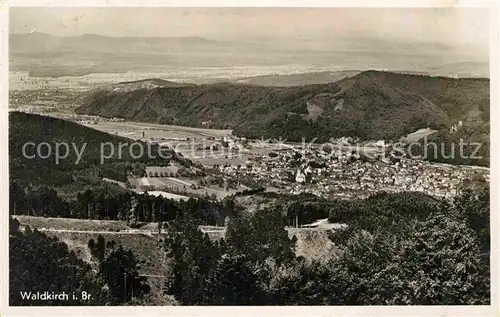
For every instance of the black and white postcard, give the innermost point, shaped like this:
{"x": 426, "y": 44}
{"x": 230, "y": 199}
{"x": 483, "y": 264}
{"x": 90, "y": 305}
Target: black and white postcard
{"x": 319, "y": 157}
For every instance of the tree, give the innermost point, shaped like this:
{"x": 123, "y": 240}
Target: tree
{"x": 17, "y": 198}
{"x": 233, "y": 282}
{"x": 363, "y": 256}
{"x": 100, "y": 208}
{"x": 270, "y": 236}
{"x": 98, "y": 250}
{"x": 238, "y": 233}
{"x": 444, "y": 252}
{"x": 42, "y": 263}
{"x": 434, "y": 263}
{"x": 191, "y": 258}
{"x": 474, "y": 209}
{"x": 300, "y": 283}
{"x": 261, "y": 237}
{"x": 132, "y": 213}
{"x": 87, "y": 199}
{"x": 13, "y": 225}
{"x": 120, "y": 271}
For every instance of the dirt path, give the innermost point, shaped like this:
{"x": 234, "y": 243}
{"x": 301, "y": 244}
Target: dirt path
{"x": 132, "y": 231}
{"x": 51, "y": 224}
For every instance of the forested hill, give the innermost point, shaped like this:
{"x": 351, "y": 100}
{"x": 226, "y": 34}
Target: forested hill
{"x": 370, "y": 105}
{"x": 79, "y": 148}
{"x": 466, "y": 99}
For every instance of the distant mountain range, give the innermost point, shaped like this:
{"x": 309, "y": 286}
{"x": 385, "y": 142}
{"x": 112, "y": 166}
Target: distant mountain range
{"x": 296, "y": 79}
{"x": 36, "y": 42}
{"x": 369, "y": 105}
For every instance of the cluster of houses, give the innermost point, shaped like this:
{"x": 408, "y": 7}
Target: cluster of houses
{"x": 343, "y": 173}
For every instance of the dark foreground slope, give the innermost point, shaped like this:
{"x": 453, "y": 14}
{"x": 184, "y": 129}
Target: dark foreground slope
{"x": 370, "y": 105}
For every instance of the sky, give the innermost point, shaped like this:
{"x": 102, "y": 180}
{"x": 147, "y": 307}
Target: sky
{"x": 448, "y": 26}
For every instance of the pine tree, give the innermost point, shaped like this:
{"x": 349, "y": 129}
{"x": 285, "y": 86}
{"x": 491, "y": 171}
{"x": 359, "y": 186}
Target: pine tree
{"x": 120, "y": 271}
{"x": 31, "y": 253}
{"x": 132, "y": 213}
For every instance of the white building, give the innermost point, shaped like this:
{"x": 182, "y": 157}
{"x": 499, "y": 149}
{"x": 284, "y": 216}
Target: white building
{"x": 299, "y": 177}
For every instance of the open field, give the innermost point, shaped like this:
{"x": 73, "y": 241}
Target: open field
{"x": 217, "y": 160}
{"x": 220, "y": 193}
{"x": 159, "y": 181}
{"x": 419, "y": 134}
{"x": 166, "y": 195}
{"x": 121, "y": 184}
{"x": 134, "y": 130}
{"x": 177, "y": 188}
{"x": 72, "y": 224}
